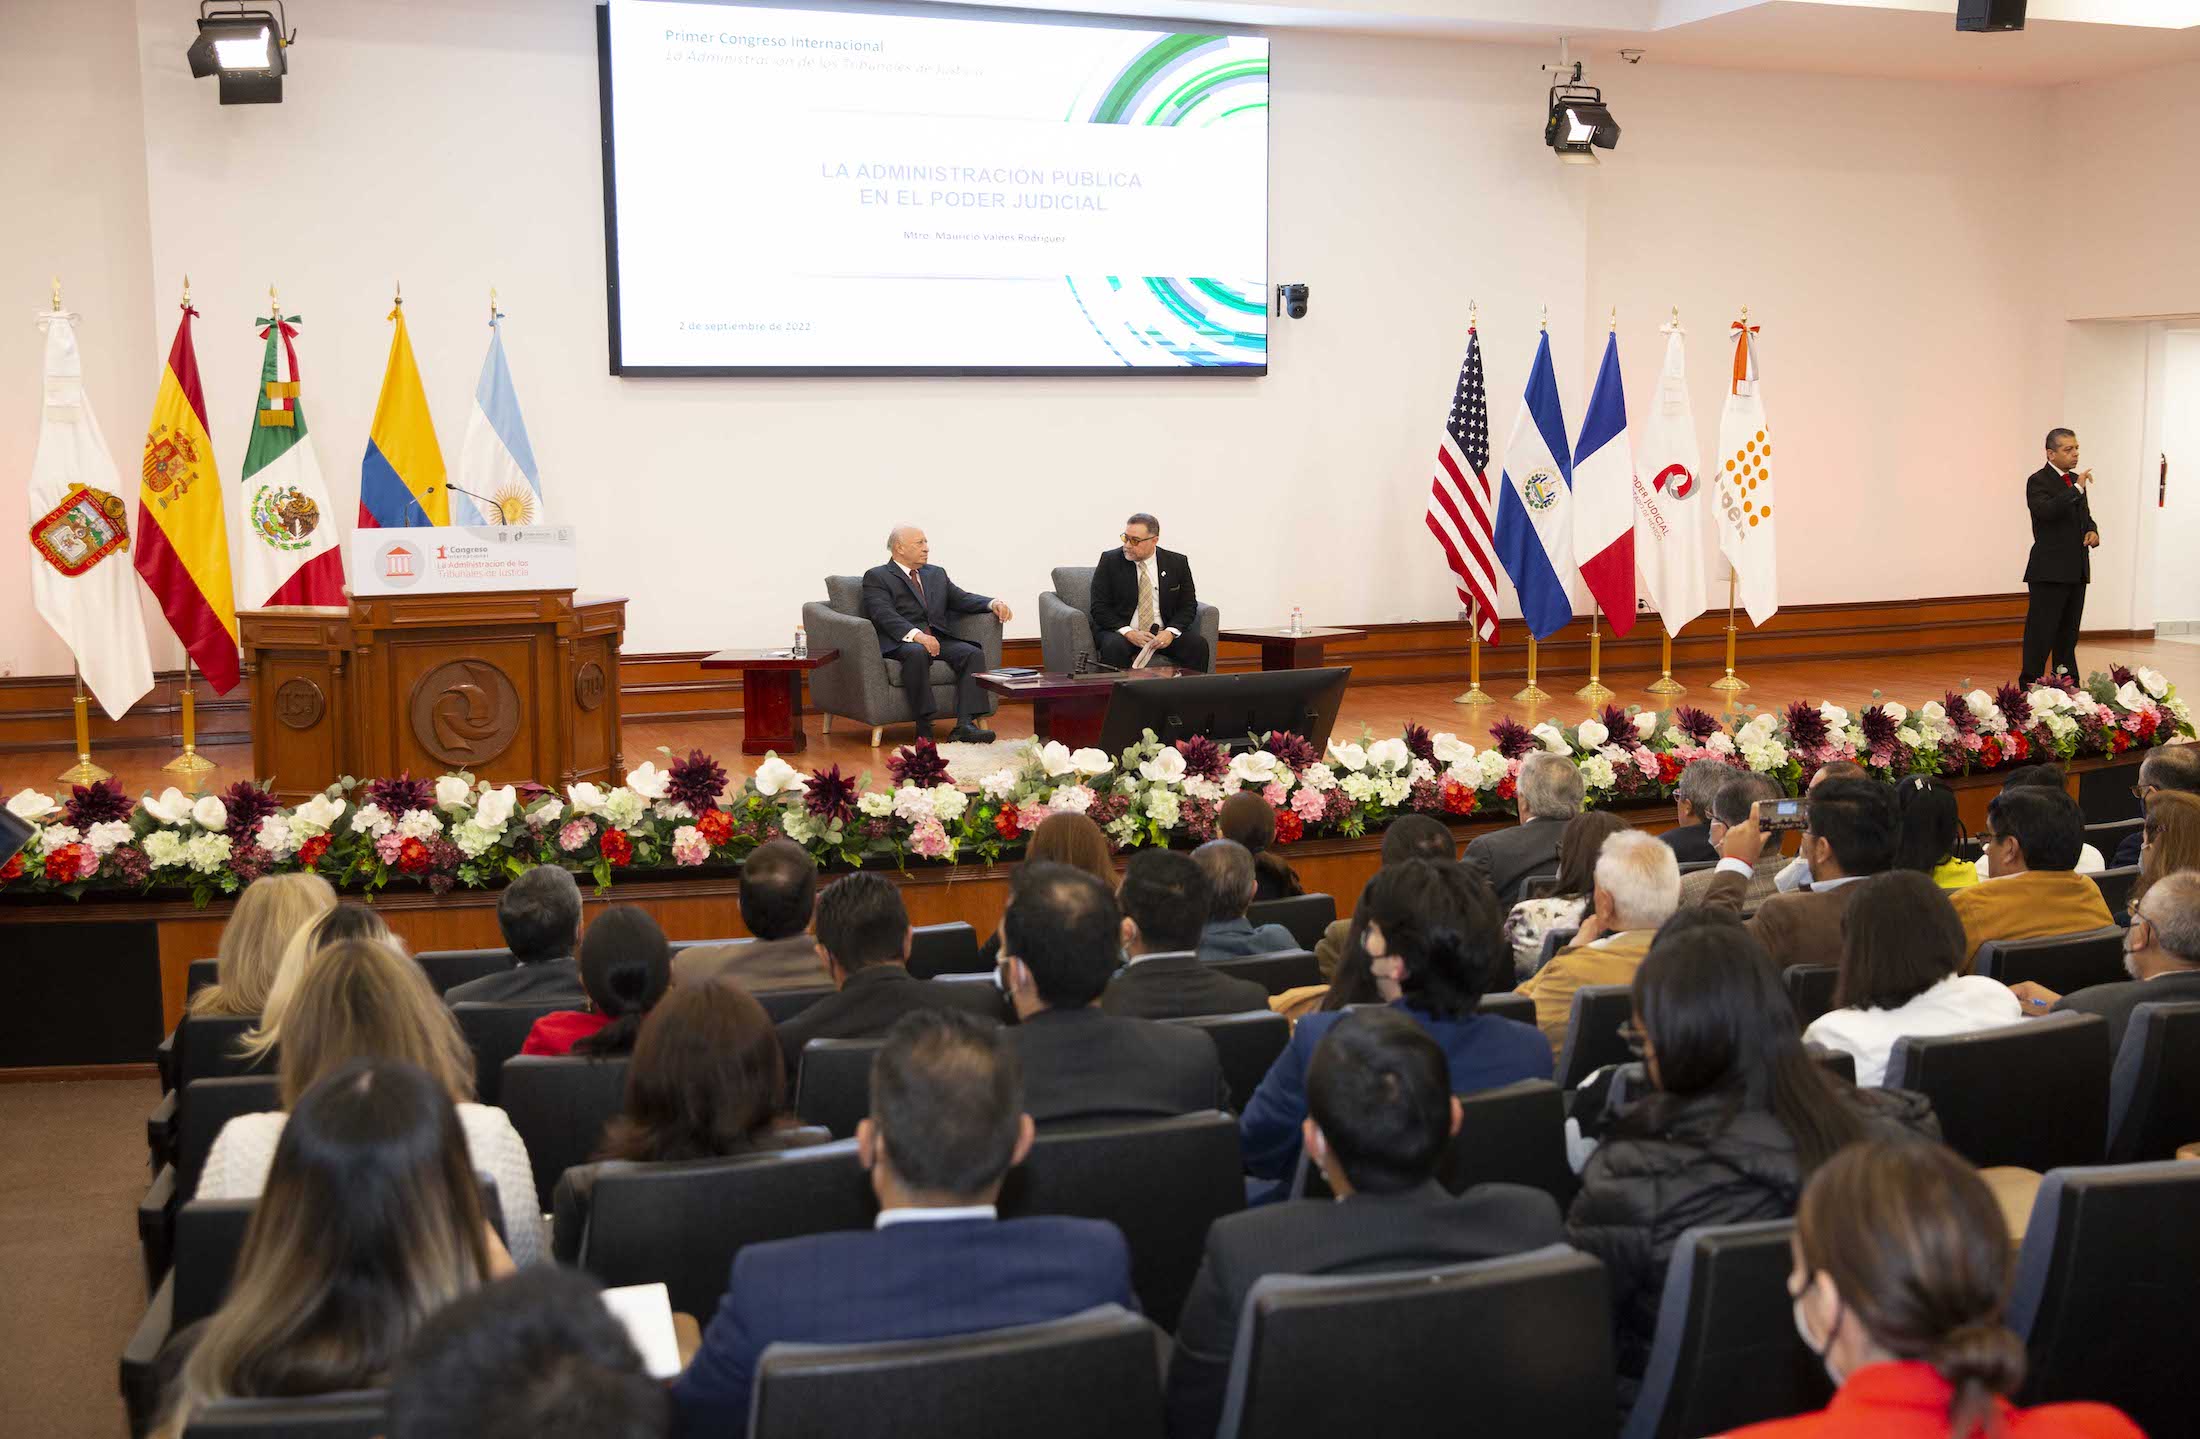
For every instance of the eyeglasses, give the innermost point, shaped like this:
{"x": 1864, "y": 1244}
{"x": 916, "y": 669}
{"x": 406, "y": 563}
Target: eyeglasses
{"x": 2141, "y": 791}
{"x": 1631, "y": 1035}
{"x": 1131, "y": 539}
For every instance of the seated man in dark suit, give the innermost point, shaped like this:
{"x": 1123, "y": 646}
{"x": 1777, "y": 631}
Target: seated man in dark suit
{"x": 1381, "y": 1112}
{"x": 863, "y": 935}
{"x": 1231, "y": 880}
{"x": 1690, "y": 836}
{"x": 1550, "y": 794}
{"x": 907, "y": 600}
{"x": 778, "y": 895}
{"x": 540, "y": 914}
{"x": 2161, "y": 954}
{"x": 2173, "y": 767}
{"x": 1060, "y": 944}
{"x": 1141, "y": 590}
{"x": 1164, "y": 902}
{"x": 946, "y": 1125}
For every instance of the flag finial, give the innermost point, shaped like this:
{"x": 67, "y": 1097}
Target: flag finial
{"x": 275, "y": 306}
{"x": 56, "y": 285}
{"x": 1546, "y": 324}
{"x": 399, "y": 287}
{"x": 187, "y": 292}
{"x": 1676, "y": 314}
{"x": 1474, "y": 312}
{"x": 1615, "y": 319}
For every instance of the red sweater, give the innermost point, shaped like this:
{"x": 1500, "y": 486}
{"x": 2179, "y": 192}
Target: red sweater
{"x": 1906, "y": 1399}
{"x": 557, "y": 1031}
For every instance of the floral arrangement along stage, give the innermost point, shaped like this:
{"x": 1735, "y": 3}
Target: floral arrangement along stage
{"x": 456, "y": 831}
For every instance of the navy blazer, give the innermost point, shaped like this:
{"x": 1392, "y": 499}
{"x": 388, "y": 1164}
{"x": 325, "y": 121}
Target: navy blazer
{"x": 890, "y": 602}
{"x": 917, "y": 1280}
{"x": 2061, "y": 519}
{"x": 1115, "y": 592}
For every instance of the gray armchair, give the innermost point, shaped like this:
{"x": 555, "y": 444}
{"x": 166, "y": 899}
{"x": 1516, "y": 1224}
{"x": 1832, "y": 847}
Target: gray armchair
{"x": 1065, "y": 621}
{"x": 864, "y": 686}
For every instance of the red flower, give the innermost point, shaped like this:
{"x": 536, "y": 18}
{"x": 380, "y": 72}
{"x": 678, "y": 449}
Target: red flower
{"x": 2119, "y": 742}
{"x": 2149, "y": 721}
{"x": 714, "y": 825}
{"x": 13, "y": 869}
{"x": 1288, "y": 826}
{"x": 309, "y": 853}
{"x": 71, "y": 862}
{"x": 1989, "y": 754}
{"x": 412, "y": 856}
{"x": 1669, "y": 769}
{"x": 616, "y": 848}
{"x": 1006, "y": 824}
{"x": 1458, "y": 798}
{"x": 1508, "y": 788}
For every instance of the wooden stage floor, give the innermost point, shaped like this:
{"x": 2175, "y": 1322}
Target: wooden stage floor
{"x": 1382, "y": 708}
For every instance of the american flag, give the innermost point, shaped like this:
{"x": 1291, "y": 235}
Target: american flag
{"x": 1459, "y": 505}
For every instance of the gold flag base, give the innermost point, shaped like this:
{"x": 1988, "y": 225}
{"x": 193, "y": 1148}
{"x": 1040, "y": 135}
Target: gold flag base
{"x": 190, "y": 762}
{"x": 1531, "y": 696}
{"x": 84, "y": 772}
{"x": 1665, "y": 684}
{"x": 1473, "y": 696}
{"x": 1730, "y": 683}
{"x": 1593, "y": 692}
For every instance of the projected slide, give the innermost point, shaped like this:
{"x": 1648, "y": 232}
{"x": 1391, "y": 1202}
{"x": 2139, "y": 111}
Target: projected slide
{"x": 874, "y": 190}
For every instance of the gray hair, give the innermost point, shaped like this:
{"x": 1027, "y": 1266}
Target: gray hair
{"x": 893, "y": 536}
{"x": 1142, "y": 518}
{"x": 2173, "y": 907}
{"x": 540, "y": 913}
{"x": 1229, "y": 869}
{"x": 1550, "y": 786}
{"x": 1730, "y": 802}
{"x": 1641, "y": 874}
{"x": 2174, "y": 766}
{"x": 1701, "y": 782}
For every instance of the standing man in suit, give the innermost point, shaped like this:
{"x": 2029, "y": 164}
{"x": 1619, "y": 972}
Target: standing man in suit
{"x": 1141, "y": 590}
{"x": 863, "y": 935}
{"x": 946, "y": 1126}
{"x": 1380, "y": 1113}
{"x": 1551, "y": 791}
{"x": 2063, "y": 534}
{"x": 907, "y": 600}
{"x": 1165, "y": 902}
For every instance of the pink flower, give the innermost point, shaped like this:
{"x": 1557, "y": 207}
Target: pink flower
{"x": 575, "y": 834}
{"x": 1274, "y": 794}
{"x": 1307, "y": 805}
{"x": 929, "y": 838}
{"x": 1647, "y": 762}
{"x": 388, "y": 846}
{"x": 689, "y": 846}
{"x": 1030, "y": 815}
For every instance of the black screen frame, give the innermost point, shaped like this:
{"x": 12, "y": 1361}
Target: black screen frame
{"x": 1304, "y": 702}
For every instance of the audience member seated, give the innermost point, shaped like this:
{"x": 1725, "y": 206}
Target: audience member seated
{"x": 2169, "y": 840}
{"x": 778, "y": 896}
{"x": 1550, "y": 793}
{"x": 946, "y": 1125}
{"x": 1062, "y": 838}
{"x": 2161, "y": 954}
{"x": 1901, "y": 1271}
{"x": 1638, "y": 886}
{"x": 2032, "y": 839}
{"x": 1731, "y": 806}
{"x": 2171, "y": 769}
{"x": 2048, "y": 777}
{"x": 1410, "y": 836}
{"x": 1848, "y": 835}
{"x": 348, "y": 920}
{"x": 1900, "y": 962}
{"x": 371, "y": 1221}
{"x": 1380, "y": 1112}
{"x": 535, "y": 1356}
{"x": 1431, "y": 933}
{"x": 1251, "y": 821}
{"x": 1060, "y": 941}
{"x": 1690, "y": 836}
{"x": 625, "y": 968}
{"x": 540, "y": 915}
{"x": 1795, "y": 874}
{"x": 864, "y": 936}
{"x": 1166, "y": 898}
{"x": 1228, "y": 934}
{"x": 269, "y": 914}
{"x": 363, "y": 1000}
{"x": 1927, "y": 831}
{"x": 1567, "y": 904}
{"x": 1739, "y": 1118}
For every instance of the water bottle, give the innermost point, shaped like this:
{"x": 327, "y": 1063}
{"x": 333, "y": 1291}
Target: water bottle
{"x": 1298, "y": 621}
{"x": 801, "y": 643}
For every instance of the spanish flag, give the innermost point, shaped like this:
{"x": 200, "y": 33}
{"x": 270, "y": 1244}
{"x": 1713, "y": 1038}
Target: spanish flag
{"x": 401, "y": 478}
{"x": 182, "y": 546}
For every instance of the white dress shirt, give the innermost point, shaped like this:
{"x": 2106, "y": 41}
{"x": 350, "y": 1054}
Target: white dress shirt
{"x": 1151, "y": 569}
{"x": 1958, "y": 1004}
{"x": 913, "y": 1215}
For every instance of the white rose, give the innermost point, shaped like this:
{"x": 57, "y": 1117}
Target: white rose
{"x": 1552, "y": 738}
{"x": 452, "y": 791}
{"x": 1091, "y": 761}
{"x": 1597, "y": 772}
{"x": 495, "y": 807}
{"x": 1449, "y": 749}
{"x": 1933, "y": 710}
{"x": 208, "y": 812}
{"x": 1165, "y": 767}
{"x": 105, "y": 835}
{"x": 419, "y": 824}
{"x": 1389, "y": 754}
{"x": 1835, "y": 716}
{"x": 2044, "y": 700}
{"x": 1910, "y": 736}
{"x": 876, "y": 803}
{"x": 949, "y": 803}
{"x": 1591, "y": 734}
{"x": 274, "y": 836}
{"x": 1894, "y": 711}
{"x": 1054, "y": 759}
{"x": 31, "y": 805}
{"x": 1073, "y": 797}
{"x": 2154, "y": 682}
{"x": 1720, "y": 742}
{"x": 207, "y": 853}
{"x": 1467, "y": 772}
{"x": 317, "y": 815}
{"x": 775, "y": 776}
{"x": 648, "y": 781}
{"x": 1319, "y": 778}
{"x": 1980, "y": 701}
{"x": 1646, "y": 725}
{"x": 1163, "y": 808}
{"x": 588, "y": 798}
{"x": 1348, "y": 756}
{"x": 545, "y": 814}
{"x": 370, "y": 819}
{"x": 624, "y": 808}
{"x": 163, "y": 847}
{"x": 2131, "y": 697}
{"x": 1254, "y": 767}
{"x": 173, "y": 806}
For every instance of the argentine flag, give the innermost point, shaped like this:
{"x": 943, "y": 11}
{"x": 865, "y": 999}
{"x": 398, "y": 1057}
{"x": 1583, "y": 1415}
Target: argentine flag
{"x": 495, "y": 462}
{"x": 1535, "y": 521}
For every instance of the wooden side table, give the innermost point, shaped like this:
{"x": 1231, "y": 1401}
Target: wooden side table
{"x": 1282, "y": 650}
{"x": 771, "y": 696}
{"x": 1070, "y": 708}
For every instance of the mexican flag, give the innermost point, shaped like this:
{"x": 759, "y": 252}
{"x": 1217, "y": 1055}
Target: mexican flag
{"x": 292, "y": 554}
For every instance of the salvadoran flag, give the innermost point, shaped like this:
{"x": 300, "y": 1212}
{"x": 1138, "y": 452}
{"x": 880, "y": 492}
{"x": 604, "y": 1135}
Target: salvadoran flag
{"x": 495, "y": 461}
{"x": 1535, "y": 521}
{"x": 1604, "y": 496}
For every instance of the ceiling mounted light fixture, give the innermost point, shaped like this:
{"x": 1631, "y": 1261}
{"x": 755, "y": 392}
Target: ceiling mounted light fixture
{"x": 1580, "y": 123}
{"x": 244, "y": 45}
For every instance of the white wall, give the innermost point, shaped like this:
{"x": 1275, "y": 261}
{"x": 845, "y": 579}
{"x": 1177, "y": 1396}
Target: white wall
{"x": 2176, "y": 403}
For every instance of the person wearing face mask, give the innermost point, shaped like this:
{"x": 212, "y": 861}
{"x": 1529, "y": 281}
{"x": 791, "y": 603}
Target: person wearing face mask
{"x": 1432, "y": 937}
{"x": 2161, "y": 954}
{"x": 1901, "y": 1268}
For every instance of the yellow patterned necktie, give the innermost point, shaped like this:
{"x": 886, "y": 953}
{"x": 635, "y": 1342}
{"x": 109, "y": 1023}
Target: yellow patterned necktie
{"x": 1147, "y": 620}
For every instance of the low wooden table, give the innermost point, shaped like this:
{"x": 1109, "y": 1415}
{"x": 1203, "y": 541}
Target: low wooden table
{"x": 771, "y": 696}
{"x": 1282, "y": 650}
{"x": 1067, "y": 707}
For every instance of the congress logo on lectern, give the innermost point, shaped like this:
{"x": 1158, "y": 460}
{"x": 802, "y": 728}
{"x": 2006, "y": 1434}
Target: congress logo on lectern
{"x": 398, "y": 564}
{"x": 1542, "y": 489}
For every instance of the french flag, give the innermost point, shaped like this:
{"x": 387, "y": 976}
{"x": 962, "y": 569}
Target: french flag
{"x": 1604, "y": 496}
{"x": 1535, "y": 525}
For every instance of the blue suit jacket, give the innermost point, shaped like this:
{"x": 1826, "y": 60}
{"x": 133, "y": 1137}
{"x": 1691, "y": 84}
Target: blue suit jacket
{"x": 890, "y": 603}
{"x": 1484, "y": 1052}
{"x": 907, "y": 1281}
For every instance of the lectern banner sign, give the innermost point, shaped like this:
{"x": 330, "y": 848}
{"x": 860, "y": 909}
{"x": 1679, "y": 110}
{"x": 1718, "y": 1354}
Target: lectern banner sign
{"x": 447, "y": 559}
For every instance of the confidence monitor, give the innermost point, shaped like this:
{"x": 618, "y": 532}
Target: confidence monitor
{"x": 1231, "y": 710}
{"x": 882, "y": 189}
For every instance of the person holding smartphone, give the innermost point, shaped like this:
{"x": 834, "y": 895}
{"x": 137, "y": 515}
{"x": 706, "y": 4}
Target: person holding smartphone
{"x": 1848, "y": 829}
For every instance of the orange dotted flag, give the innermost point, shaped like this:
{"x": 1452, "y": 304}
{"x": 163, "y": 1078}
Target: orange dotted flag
{"x": 1743, "y": 480}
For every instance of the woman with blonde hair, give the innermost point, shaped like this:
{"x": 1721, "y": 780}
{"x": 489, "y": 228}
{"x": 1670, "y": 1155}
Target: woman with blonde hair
{"x": 370, "y": 1223}
{"x": 2169, "y": 840}
{"x": 363, "y": 999}
{"x": 345, "y": 921}
{"x": 269, "y": 915}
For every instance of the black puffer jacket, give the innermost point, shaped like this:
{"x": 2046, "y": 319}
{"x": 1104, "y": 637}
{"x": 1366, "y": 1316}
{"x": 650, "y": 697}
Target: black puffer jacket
{"x": 1696, "y": 1162}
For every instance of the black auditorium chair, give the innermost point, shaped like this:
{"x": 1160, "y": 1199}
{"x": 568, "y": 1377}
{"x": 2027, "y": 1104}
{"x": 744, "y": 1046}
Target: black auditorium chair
{"x": 495, "y": 1032}
{"x": 1380, "y": 1354}
{"x": 1592, "y": 1032}
{"x": 559, "y": 1104}
{"x": 976, "y": 993}
{"x": 2064, "y": 963}
{"x": 202, "y": 973}
{"x": 1810, "y": 989}
{"x": 945, "y": 949}
{"x": 1160, "y": 1181}
{"x": 2116, "y": 886}
{"x": 1307, "y": 916}
{"x": 1725, "y": 1354}
{"x": 2109, "y": 1268}
{"x": 1247, "y": 1044}
{"x": 1095, "y": 1375}
{"x": 202, "y": 1047}
{"x": 784, "y": 1004}
{"x": 1505, "y": 1004}
{"x": 832, "y": 1085}
{"x": 1515, "y": 1134}
{"x": 2032, "y": 1094}
{"x": 1276, "y": 972}
{"x": 1538, "y": 886}
{"x": 206, "y": 1105}
{"x": 2104, "y": 795}
{"x": 2108, "y": 836}
{"x": 448, "y": 967}
{"x": 356, "y": 1414}
{"x": 2154, "y": 1089}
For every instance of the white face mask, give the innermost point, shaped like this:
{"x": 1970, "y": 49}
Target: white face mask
{"x": 1824, "y": 1350}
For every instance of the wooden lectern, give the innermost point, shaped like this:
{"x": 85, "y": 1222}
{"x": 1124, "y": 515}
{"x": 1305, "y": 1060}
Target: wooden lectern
{"x": 510, "y": 685}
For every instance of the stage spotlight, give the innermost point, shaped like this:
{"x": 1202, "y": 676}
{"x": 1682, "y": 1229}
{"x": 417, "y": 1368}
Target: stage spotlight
{"x": 243, "y": 45}
{"x": 1580, "y": 123}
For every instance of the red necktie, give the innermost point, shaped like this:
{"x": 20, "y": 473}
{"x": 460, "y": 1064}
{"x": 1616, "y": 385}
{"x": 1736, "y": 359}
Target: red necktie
{"x": 917, "y": 585}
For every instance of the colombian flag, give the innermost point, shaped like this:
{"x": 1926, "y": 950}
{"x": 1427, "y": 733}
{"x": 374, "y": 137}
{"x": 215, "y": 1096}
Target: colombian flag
{"x": 401, "y": 478}
{"x": 182, "y": 546}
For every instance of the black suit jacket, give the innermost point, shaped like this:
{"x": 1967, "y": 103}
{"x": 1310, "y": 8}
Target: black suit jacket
{"x": 1508, "y": 856}
{"x": 866, "y": 1007}
{"x": 1083, "y": 1064}
{"x": 2114, "y": 1002}
{"x": 1179, "y": 986}
{"x": 1690, "y": 843}
{"x": 2060, "y": 519}
{"x": 1365, "y": 1233}
{"x": 890, "y": 602}
{"x": 1115, "y": 592}
{"x": 556, "y": 981}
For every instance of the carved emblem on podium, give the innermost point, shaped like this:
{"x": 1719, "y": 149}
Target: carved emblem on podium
{"x": 465, "y": 712}
{"x": 300, "y": 703}
{"x": 588, "y": 686}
